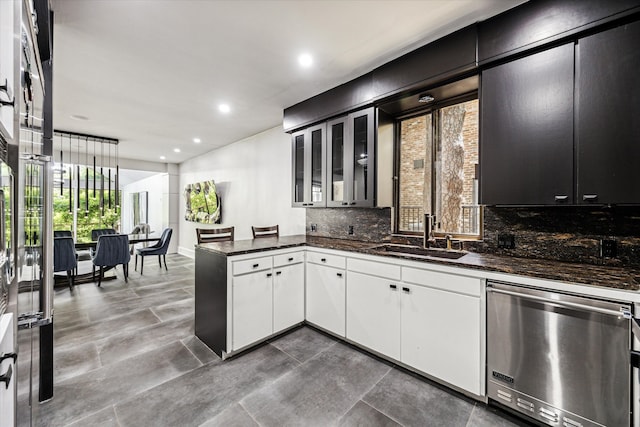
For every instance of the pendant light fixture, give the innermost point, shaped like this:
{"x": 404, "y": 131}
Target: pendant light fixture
{"x": 86, "y": 177}
{"x": 70, "y": 177}
{"x": 109, "y": 172}
{"x": 94, "y": 168}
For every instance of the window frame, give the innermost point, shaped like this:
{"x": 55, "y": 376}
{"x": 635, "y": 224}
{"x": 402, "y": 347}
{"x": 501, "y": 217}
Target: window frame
{"x": 432, "y": 109}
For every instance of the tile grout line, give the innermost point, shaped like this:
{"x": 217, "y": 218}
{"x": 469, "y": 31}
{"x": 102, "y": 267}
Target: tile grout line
{"x": 248, "y": 413}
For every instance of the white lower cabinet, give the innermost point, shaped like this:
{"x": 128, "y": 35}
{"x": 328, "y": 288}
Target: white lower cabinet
{"x": 252, "y": 308}
{"x": 267, "y": 296}
{"x": 441, "y": 334}
{"x": 288, "y": 296}
{"x": 373, "y": 313}
{"x": 326, "y": 297}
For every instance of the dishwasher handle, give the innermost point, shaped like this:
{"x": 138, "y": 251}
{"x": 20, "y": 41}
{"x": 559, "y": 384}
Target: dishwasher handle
{"x": 623, "y": 312}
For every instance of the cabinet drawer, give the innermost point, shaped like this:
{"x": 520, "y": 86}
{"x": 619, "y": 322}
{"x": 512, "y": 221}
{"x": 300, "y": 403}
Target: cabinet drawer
{"x": 387, "y": 271}
{"x": 336, "y": 261}
{"x": 286, "y": 259}
{"x": 250, "y": 265}
{"x": 446, "y": 282}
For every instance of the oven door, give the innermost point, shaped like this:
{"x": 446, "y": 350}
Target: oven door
{"x": 561, "y": 359}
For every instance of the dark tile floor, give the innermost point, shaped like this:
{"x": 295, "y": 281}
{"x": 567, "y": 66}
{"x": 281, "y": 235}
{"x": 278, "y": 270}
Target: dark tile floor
{"x": 125, "y": 355}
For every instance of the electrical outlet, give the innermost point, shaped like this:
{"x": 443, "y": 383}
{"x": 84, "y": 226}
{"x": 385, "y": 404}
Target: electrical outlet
{"x": 608, "y": 248}
{"x": 314, "y": 227}
{"x": 351, "y": 229}
{"x": 506, "y": 241}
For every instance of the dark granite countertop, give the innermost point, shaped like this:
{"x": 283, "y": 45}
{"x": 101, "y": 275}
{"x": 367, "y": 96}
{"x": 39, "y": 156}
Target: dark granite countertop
{"x": 594, "y": 275}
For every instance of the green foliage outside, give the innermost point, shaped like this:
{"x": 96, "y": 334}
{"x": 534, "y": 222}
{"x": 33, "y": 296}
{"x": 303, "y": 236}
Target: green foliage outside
{"x": 88, "y": 220}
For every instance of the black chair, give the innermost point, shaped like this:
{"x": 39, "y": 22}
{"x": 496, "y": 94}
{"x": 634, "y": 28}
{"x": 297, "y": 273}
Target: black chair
{"x": 271, "y": 231}
{"x": 64, "y": 257}
{"x": 208, "y": 235}
{"x": 62, "y": 233}
{"x": 111, "y": 250}
{"x": 159, "y": 249}
{"x": 101, "y": 231}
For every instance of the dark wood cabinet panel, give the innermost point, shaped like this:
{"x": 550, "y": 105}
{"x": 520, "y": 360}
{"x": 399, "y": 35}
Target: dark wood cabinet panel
{"x": 543, "y": 21}
{"x": 608, "y": 111}
{"x": 443, "y": 59}
{"x": 526, "y": 139}
{"x": 341, "y": 99}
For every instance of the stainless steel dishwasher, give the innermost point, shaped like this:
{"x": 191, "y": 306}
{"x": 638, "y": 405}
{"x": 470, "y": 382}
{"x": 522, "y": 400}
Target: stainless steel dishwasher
{"x": 559, "y": 358}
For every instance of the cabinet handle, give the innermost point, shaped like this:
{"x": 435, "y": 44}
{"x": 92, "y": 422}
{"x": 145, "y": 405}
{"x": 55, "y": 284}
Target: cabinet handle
{"x": 7, "y": 103}
{"x": 339, "y": 274}
{"x": 278, "y": 273}
{"x": 256, "y": 265}
{"x": 393, "y": 286}
{"x": 6, "y": 377}
{"x": 407, "y": 290}
{"x": 590, "y": 197}
{"x": 309, "y": 204}
{"x": 344, "y": 203}
{"x": 290, "y": 259}
{"x": 323, "y": 259}
{"x": 353, "y": 203}
{"x": 13, "y": 356}
{"x": 561, "y": 198}
{"x": 269, "y": 274}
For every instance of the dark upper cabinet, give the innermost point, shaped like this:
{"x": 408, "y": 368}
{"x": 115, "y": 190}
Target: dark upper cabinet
{"x": 351, "y": 160}
{"x": 608, "y": 116}
{"x": 526, "y": 139}
{"x": 442, "y": 59}
{"x": 309, "y": 163}
{"x": 540, "y": 22}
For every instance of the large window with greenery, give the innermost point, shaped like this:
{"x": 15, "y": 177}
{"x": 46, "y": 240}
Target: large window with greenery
{"x": 81, "y": 209}
{"x": 438, "y": 159}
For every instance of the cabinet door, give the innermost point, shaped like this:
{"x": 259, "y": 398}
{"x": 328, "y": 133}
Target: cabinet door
{"x": 441, "y": 335}
{"x": 608, "y": 106}
{"x": 309, "y": 163}
{"x": 326, "y": 298}
{"x": 288, "y": 296}
{"x": 526, "y": 137}
{"x": 373, "y": 313}
{"x": 252, "y": 308}
{"x": 8, "y": 65}
{"x": 7, "y": 391}
{"x": 360, "y": 160}
{"x": 336, "y": 155}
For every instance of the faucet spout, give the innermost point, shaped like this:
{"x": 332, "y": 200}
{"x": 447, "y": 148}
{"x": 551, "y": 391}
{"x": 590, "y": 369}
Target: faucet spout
{"x": 428, "y": 231}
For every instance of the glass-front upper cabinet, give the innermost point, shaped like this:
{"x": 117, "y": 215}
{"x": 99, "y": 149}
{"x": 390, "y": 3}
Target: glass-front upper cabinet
{"x": 351, "y": 157}
{"x": 309, "y": 162}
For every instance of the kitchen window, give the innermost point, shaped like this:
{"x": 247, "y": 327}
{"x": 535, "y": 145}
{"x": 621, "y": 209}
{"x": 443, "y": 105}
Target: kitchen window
{"x": 438, "y": 169}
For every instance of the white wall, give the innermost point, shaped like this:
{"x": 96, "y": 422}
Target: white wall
{"x": 158, "y": 188}
{"x": 253, "y": 177}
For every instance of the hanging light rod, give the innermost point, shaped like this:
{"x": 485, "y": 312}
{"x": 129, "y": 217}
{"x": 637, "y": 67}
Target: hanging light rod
{"x": 87, "y": 136}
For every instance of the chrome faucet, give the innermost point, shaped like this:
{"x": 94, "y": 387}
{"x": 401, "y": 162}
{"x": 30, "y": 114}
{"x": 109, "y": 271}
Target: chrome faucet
{"x": 429, "y": 221}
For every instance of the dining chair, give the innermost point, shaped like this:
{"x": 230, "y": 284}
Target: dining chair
{"x": 271, "y": 231}
{"x": 111, "y": 250}
{"x": 208, "y": 235}
{"x": 64, "y": 257}
{"x": 159, "y": 249}
{"x": 101, "y": 231}
{"x": 62, "y": 233}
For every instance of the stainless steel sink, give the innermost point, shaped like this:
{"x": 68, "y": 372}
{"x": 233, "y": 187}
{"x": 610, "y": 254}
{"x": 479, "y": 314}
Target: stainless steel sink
{"x": 417, "y": 251}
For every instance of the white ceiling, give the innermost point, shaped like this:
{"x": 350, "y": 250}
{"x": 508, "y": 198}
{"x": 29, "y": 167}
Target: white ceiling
{"x": 152, "y": 73}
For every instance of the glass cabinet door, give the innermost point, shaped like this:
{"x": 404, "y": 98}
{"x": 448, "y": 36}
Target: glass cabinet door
{"x": 362, "y": 162}
{"x": 309, "y": 146}
{"x": 298, "y": 168}
{"x": 336, "y": 133}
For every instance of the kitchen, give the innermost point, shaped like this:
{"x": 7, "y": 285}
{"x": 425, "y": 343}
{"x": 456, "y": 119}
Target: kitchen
{"x": 541, "y": 237}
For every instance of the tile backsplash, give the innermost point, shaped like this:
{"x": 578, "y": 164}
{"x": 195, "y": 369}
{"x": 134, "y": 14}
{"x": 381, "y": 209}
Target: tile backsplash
{"x": 369, "y": 224}
{"x": 570, "y": 234}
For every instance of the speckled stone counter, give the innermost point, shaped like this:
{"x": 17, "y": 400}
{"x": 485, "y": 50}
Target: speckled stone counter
{"x": 594, "y": 275}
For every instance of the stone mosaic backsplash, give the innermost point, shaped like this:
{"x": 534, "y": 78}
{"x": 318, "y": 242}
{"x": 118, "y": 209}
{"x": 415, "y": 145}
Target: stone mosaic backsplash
{"x": 569, "y": 234}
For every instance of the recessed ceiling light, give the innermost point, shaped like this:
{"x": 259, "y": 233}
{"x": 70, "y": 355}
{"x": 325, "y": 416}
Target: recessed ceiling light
{"x": 224, "y": 108}
{"x": 176, "y": 150}
{"x": 79, "y": 117}
{"x": 197, "y": 140}
{"x": 162, "y": 157}
{"x": 305, "y": 60}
